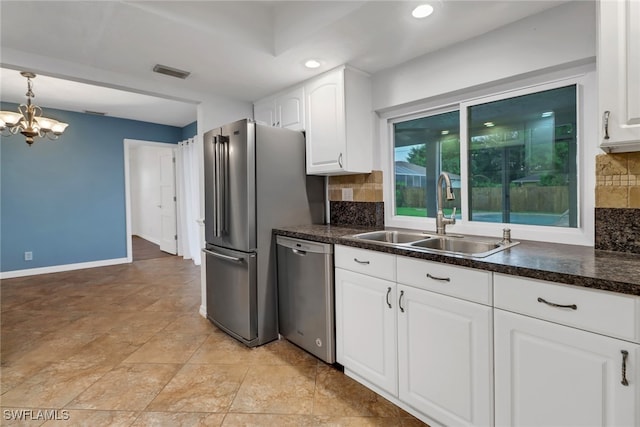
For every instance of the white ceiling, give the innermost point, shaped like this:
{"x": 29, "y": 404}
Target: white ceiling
{"x": 242, "y": 50}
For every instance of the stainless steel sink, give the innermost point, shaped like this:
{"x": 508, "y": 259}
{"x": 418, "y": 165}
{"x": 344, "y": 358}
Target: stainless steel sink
{"x": 448, "y": 244}
{"x": 384, "y": 236}
{"x": 475, "y": 248}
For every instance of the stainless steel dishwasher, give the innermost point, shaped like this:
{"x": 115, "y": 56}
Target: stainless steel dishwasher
{"x": 305, "y": 296}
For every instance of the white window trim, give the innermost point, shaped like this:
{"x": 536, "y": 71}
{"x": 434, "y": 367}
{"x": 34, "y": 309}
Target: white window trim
{"x": 586, "y": 84}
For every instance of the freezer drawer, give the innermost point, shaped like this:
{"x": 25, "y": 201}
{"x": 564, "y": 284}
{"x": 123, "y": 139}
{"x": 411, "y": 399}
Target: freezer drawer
{"x": 232, "y": 293}
{"x": 305, "y": 296}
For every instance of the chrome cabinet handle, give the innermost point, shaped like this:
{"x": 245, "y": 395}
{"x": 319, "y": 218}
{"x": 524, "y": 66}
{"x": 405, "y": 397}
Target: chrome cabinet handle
{"x": 441, "y": 279}
{"x": 361, "y": 262}
{"x": 400, "y": 301}
{"x": 625, "y": 354}
{"x": 340, "y": 160}
{"x": 571, "y": 306}
{"x": 299, "y": 252}
{"x": 605, "y": 121}
{"x": 388, "y": 293}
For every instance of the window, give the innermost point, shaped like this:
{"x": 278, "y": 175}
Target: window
{"x": 422, "y": 149}
{"x": 522, "y": 159}
{"x": 512, "y": 158}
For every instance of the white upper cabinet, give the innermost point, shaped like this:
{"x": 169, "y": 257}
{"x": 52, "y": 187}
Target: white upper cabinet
{"x": 264, "y": 111}
{"x": 339, "y": 123}
{"x": 290, "y": 109}
{"x": 285, "y": 110}
{"x": 619, "y": 75}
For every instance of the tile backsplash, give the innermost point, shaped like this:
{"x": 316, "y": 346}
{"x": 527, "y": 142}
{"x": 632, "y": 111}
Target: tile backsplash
{"x": 364, "y": 187}
{"x": 357, "y": 200}
{"x": 617, "y": 213}
{"x": 618, "y": 180}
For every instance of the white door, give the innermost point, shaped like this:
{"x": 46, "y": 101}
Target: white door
{"x": 552, "y": 375}
{"x": 168, "y": 230}
{"x": 366, "y": 328}
{"x": 445, "y": 357}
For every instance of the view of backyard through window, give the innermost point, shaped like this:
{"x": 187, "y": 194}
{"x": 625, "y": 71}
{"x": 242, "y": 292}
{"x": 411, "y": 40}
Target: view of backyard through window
{"x": 521, "y": 158}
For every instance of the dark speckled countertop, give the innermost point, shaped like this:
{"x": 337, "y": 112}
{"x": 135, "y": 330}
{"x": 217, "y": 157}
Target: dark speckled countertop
{"x": 569, "y": 264}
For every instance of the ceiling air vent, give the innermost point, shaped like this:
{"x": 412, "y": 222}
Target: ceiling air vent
{"x": 95, "y": 113}
{"x": 173, "y": 72}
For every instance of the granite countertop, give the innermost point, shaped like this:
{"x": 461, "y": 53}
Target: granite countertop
{"x": 568, "y": 264}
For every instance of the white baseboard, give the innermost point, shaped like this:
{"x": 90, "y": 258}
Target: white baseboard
{"x": 203, "y": 311}
{"x": 60, "y": 268}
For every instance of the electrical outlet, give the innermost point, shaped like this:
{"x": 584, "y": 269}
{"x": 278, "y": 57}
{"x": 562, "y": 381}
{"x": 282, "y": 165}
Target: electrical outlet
{"x": 347, "y": 194}
{"x": 28, "y": 256}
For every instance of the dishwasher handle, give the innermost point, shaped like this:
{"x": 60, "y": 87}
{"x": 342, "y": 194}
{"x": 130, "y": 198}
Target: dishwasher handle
{"x": 305, "y": 246}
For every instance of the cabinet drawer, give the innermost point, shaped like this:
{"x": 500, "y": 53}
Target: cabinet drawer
{"x": 465, "y": 283}
{"x": 377, "y": 264}
{"x": 608, "y": 313}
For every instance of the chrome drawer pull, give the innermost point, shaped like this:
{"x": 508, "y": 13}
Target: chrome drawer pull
{"x": 441, "y": 279}
{"x": 400, "y": 301}
{"x": 605, "y": 121}
{"x": 388, "y": 292}
{"x": 571, "y": 306}
{"x": 625, "y": 354}
{"x": 361, "y": 262}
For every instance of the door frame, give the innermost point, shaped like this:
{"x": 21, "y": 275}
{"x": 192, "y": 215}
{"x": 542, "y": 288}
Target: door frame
{"x": 128, "y": 144}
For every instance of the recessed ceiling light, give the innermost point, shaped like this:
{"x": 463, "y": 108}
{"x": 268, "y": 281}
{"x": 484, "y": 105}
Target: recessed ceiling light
{"x": 312, "y": 63}
{"x": 489, "y": 124}
{"x": 422, "y": 11}
{"x": 547, "y": 114}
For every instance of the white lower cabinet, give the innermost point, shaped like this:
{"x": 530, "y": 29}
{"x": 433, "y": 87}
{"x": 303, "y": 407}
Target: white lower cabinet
{"x": 553, "y": 375}
{"x": 366, "y": 328}
{"x": 445, "y": 357}
{"x": 464, "y": 347}
{"x": 427, "y": 352}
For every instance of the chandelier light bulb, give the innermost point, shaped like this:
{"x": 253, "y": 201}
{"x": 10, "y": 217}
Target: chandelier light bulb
{"x": 28, "y": 120}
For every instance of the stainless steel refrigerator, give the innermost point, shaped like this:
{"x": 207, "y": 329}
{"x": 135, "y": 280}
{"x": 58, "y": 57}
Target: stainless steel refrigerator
{"x": 255, "y": 180}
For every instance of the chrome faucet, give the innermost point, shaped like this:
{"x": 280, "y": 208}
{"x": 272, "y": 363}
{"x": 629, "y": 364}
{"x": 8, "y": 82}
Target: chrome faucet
{"x": 441, "y": 220}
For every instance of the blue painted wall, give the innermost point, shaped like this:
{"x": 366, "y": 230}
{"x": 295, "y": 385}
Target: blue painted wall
{"x": 190, "y": 130}
{"x": 64, "y": 200}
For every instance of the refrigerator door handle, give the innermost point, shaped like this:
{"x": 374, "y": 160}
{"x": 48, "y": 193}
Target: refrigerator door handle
{"x": 221, "y": 256}
{"x": 221, "y": 160}
{"x": 216, "y": 232}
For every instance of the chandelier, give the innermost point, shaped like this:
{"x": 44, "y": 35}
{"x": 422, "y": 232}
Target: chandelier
{"x": 28, "y": 120}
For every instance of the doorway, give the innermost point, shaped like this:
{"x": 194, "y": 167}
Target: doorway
{"x": 150, "y": 187}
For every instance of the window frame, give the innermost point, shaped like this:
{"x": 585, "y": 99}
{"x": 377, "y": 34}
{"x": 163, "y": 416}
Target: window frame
{"x": 586, "y": 134}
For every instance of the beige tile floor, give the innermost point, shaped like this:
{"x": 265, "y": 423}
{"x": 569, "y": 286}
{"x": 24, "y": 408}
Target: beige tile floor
{"x": 125, "y": 346}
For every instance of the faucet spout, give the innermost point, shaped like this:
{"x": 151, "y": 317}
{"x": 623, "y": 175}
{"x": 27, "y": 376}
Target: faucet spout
{"x": 441, "y": 220}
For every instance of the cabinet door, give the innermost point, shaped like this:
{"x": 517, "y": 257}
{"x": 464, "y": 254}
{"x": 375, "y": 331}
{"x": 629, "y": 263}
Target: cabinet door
{"x": 366, "y": 328}
{"x": 619, "y": 73}
{"x": 325, "y": 123}
{"x": 265, "y": 112}
{"x": 445, "y": 357}
{"x": 553, "y": 375}
{"x": 290, "y": 109}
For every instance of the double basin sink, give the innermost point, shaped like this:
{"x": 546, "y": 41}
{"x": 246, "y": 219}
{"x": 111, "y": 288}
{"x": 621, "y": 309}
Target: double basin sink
{"x": 446, "y": 244}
